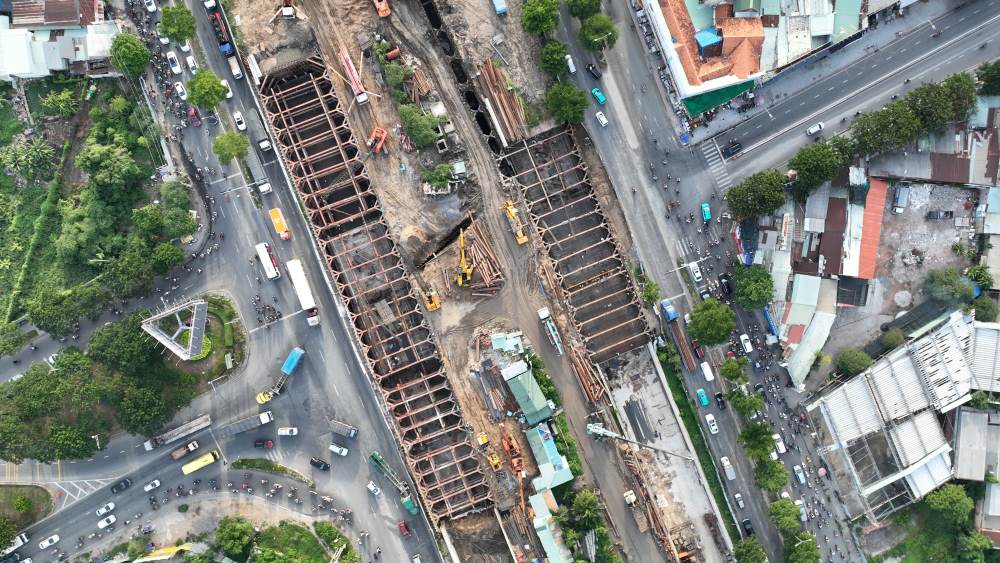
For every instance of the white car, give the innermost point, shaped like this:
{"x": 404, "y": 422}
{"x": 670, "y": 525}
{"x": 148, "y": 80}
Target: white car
{"x": 164, "y": 40}
{"x": 229, "y": 91}
{"x": 48, "y": 542}
{"x": 182, "y": 92}
{"x": 155, "y": 483}
{"x": 192, "y": 64}
{"x": 150, "y": 5}
{"x": 107, "y": 522}
{"x": 601, "y": 118}
{"x": 799, "y": 474}
{"x": 175, "y": 65}
{"x": 241, "y": 123}
{"x": 713, "y": 427}
{"x": 106, "y": 509}
{"x": 186, "y": 46}
{"x": 779, "y": 444}
{"x": 288, "y": 431}
{"x": 373, "y": 488}
{"x": 338, "y": 449}
{"x": 51, "y": 360}
{"x": 745, "y": 341}
{"x": 815, "y": 129}
{"x": 739, "y": 500}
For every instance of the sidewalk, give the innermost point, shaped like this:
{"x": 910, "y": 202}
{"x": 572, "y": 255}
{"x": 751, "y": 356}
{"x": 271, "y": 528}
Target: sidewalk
{"x": 802, "y": 75}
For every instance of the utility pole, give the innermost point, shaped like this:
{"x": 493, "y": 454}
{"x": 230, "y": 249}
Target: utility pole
{"x": 598, "y": 429}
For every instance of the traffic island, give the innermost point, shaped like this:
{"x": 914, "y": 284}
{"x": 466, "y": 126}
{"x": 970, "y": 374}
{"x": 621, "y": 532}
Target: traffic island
{"x": 268, "y": 466}
{"x": 23, "y": 505}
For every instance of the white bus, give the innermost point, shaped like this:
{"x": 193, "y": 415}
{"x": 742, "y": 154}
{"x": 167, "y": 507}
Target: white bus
{"x": 268, "y": 261}
{"x": 301, "y": 285}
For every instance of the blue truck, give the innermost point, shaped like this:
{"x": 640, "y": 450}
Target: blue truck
{"x": 670, "y": 317}
{"x": 668, "y": 311}
{"x": 500, "y": 6}
{"x": 287, "y": 370}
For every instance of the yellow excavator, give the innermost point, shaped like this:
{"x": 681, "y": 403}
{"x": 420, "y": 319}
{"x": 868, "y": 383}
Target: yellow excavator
{"x": 514, "y": 219}
{"x": 431, "y": 299}
{"x": 464, "y": 268}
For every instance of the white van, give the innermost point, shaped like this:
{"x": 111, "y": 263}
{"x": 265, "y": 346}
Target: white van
{"x": 288, "y": 431}
{"x": 779, "y": 444}
{"x": 745, "y": 341}
{"x": 707, "y": 370}
{"x": 727, "y": 467}
{"x": 569, "y": 64}
{"x": 234, "y": 67}
{"x": 264, "y": 188}
{"x": 695, "y": 272}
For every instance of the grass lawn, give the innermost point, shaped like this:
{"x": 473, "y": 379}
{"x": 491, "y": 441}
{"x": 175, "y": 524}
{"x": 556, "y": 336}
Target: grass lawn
{"x": 294, "y": 542}
{"x": 18, "y": 210}
{"x": 41, "y": 504}
{"x": 690, "y": 419}
{"x": 10, "y": 125}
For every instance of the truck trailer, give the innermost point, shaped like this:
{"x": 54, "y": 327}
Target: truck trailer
{"x": 200, "y": 423}
{"x": 248, "y": 423}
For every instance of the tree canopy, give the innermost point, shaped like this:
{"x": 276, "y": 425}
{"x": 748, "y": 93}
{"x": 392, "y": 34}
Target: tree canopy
{"x": 566, "y": 102}
{"x": 756, "y": 440}
{"x": 31, "y": 158}
{"x": 989, "y": 76}
{"x": 980, "y": 274}
{"x": 754, "y": 287}
{"x": 437, "y": 176}
{"x": 598, "y": 32}
{"x": 233, "y": 535}
{"x": 732, "y": 370}
{"x": 853, "y": 362}
{"x": 785, "y": 516}
{"x": 129, "y": 55}
{"x": 815, "y": 164}
{"x": 770, "y": 475}
{"x": 947, "y": 285}
{"x": 758, "y": 194}
{"x": 961, "y": 88}
{"x": 931, "y": 104}
{"x": 554, "y": 58}
{"x": 420, "y": 126}
{"x": 952, "y": 504}
{"x": 540, "y": 16}
{"x": 803, "y": 549}
{"x": 711, "y": 322}
{"x": 177, "y": 23}
{"x": 123, "y": 346}
{"x": 745, "y": 404}
{"x": 7, "y": 531}
{"x": 230, "y": 145}
{"x": 749, "y": 550}
{"x": 890, "y": 128}
{"x": 583, "y": 9}
{"x": 205, "y": 90}
{"x": 986, "y": 308}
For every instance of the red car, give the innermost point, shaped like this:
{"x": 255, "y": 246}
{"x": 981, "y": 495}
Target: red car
{"x": 262, "y": 443}
{"x": 697, "y": 349}
{"x": 404, "y": 529}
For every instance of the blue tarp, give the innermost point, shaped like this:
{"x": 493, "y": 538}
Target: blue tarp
{"x": 292, "y": 361}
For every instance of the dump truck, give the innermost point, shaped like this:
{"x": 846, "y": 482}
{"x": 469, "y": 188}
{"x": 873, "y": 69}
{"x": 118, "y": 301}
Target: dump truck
{"x": 287, "y": 370}
{"x": 184, "y": 450}
{"x": 382, "y": 7}
{"x": 200, "y": 423}
{"x": 670, "y": 316}
{"x": 500, "y": 6}
{"x": 550, "y": 329}
{"x": 641, "y": 522}
{"x": 248, "y": 423}
{"x": 221, "y": 34}
{"x": 344, "y": 429}
{"x": 405, "y": 497}
{"x": 280, "y": 227}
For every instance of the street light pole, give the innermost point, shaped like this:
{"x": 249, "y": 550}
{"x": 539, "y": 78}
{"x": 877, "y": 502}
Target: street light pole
{"x": 97, "y": 438}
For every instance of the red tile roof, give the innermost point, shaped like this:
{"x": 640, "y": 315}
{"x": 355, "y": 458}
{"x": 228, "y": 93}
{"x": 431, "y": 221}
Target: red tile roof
{"x": 871, "y": 227}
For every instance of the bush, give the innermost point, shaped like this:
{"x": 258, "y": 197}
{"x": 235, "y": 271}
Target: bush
{"x": 986, "y": 308}
{"x": 853, "y": 362}
{"x": 544, "y": 381}
{"x": 333, "y": 539}
{"x": 891, "y": 339}
{"x": 182, "y": 508}
{"x": 268, "y": 466}
{"x": 566, "y": 445}
{"x": 420, "y": 126}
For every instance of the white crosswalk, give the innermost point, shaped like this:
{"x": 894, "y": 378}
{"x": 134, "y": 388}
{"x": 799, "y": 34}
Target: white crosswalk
{"x": 716, "y": 164}
{"x": 690, "y": 247}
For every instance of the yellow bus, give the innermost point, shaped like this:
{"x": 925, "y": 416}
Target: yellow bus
{"x": 203, "y": 461}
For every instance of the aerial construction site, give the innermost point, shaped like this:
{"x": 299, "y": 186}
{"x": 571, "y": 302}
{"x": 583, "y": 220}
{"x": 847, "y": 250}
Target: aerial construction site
{"x": 483, "y": 273}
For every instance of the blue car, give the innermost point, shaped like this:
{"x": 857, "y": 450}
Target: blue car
{"x": 596, "y": 92}
{"x": 706, "y": 212}
{"x": 702, "y": 397}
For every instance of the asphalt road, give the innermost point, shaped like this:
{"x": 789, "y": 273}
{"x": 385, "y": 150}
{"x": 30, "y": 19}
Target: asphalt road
{"x": 329, "y": 384}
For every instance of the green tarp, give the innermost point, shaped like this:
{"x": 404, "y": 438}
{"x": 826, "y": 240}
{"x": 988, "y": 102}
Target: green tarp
{"x": 699, "y": 104}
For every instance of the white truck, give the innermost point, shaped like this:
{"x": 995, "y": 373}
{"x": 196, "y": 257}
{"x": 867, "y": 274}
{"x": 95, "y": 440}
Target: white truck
{"x": 188, "y": 428}
{"x": 344, "y": 429}
{"x": 550, "y": 329}
{"x": 727, "y": 467}
{"x": 248, "y": 423}
{"x": 16, "y": 543}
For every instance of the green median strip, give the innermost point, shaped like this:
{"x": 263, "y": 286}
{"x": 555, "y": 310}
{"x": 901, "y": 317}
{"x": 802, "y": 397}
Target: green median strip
{"x": 268, "y": 466}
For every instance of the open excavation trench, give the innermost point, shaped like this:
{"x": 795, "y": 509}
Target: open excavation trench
{"x": 322, "y": 157}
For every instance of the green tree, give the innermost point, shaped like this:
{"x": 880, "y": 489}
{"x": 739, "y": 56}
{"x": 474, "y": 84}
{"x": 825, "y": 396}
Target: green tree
{"x": 892, "y": 339}
{"x": 815, "y": 164}
{"x": 205, "y": 90}
{"x": 177, "y": 23}
{"x": 148, "y": 219}
{"x": 110, "y": 167}
{"x": 437, "y": 176}
{"x": 420, "y": 126}
{"x": 961, "y": 88}
{"x": 89, "y": 300}
{"x": 31, "y": 158}
{"x": 123, "y": 346}
{"x": 7, "y": 531}
{"x": 12, "y": 339}
{"x": 758, "y": 194}
{"x": 598, "y": 33}
{"x": 732, "y": 370}
{"x": 233, "y": 536}
{"x": 853, "y": 362}
{"x": 586, "y": 510}
{"x": 540, "y": 16}
{"x": 51, "y": 310}
{"x": 67, "y": 442}
{"x": 22, "y": 503}
{"x": 743, "y": 403}
{"x": 803, "y": 549}
{"x": 711, "y": 322}
{"x": 566, "y": 102}
{"x": 754, "y": 287}
{"x": 756, "y": 440}
{"x": 230, "y": 145}
{"x": 892, "y": 127}
{"x": 785, "y": 516}
{"x": 749, "y": 550}
{"x": 972, "y": 546}
{"x": 583, "y": 9}
{"x": 141, "y": 411}
{"x": 844, "y": 145}
{"x": 130, "y": 274}
{"x": 952, "y": 504}
{"x": 770, "y": 475}
{"x": 989, "y": 78}
{"x": 930, "y": 103}
{"x": 129, "y": 55}
{"x": 175, "y": 195}
{"x": 979, "y": 400}
{"x": 63, "y": 103}
{"x": 986, "y": 308}
{"x": 177, "y": 223}
{"x": 947, "y": 285}
{"x": 395, "y": 76}
{"x": 980, "y": 274}
{"x": 554, "y": 58}
{"x": 165, "y": 257}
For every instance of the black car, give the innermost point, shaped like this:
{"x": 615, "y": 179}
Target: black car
{"x": 732, "y": 149}
{"x": 594, "y": 71}
{"x": 319, "y": 463}
{"x": 759, "y": 387}
{"x": 720, "y": 401}
{"x": 724, "y": 283}
{"x": 121, "y": 486}
{"x": 11, "y": 558}
{"x": 748, "y": 526}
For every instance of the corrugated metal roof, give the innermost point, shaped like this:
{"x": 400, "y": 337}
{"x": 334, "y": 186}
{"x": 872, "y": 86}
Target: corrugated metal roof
{"x": 852, "y": 410}
{"x": 970, "y": 444}
{"x": 871, "y": 230}
{"x": 897, "y": 385}
{"x": 931, "y": 474}
{"x": 917, "y": 437}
